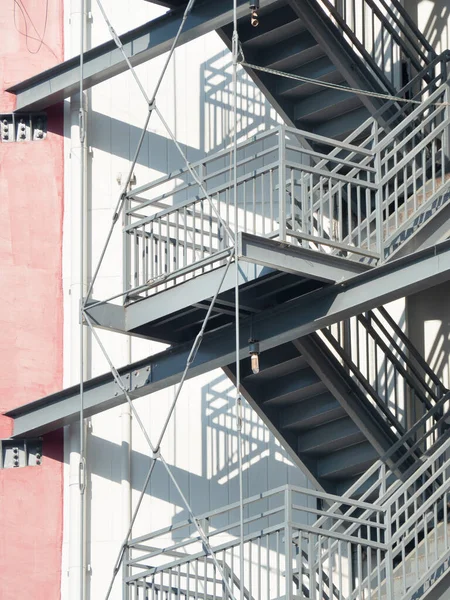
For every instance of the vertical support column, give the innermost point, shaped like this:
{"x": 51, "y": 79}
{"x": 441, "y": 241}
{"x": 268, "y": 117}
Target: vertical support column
{"x": 282, "y": 181}
{"x": 288, "y": 542}
{"x": 389, "y": 565}
{"x": 126, "y": 248}
{"x": 446, "y": 134}
{"x": 378, "y": 200}
{"x": 125, "y": 573}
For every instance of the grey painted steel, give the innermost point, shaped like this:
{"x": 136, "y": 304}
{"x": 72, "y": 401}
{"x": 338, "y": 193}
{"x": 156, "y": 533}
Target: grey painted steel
{"x": 105, "y": 61}
{"x": 296, "y": 260}
{"x": 433, "y": 231}
{"x": 254, "y": 250}
{"x": 272, "y": 327}
{"x": 348, "y": 395}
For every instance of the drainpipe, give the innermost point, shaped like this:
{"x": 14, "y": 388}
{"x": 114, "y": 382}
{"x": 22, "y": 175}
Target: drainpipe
{"x": 78, "y": 340}
{"x": 126, "y": 459}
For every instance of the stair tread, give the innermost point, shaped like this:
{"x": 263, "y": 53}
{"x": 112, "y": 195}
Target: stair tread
{"x": 329, "y": 437}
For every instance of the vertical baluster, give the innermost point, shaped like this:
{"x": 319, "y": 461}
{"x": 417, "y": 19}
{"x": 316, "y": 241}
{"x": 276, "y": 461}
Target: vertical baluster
{"x": 311, "y": 561}
{"x": 272, "y": 212}
{"x": 292, "y": 180}
{"x": 358, "y": 216}
{"x": 263, "y": 195}
{"x": 349, "y": 213}
{"x": 330, "y": 569}
{"x": 202, "y": 230}
{"x": 277, "y": 563}
{"x": 259, "y": 580}
{"x": 320, "y": 560}
{"x": 424, "y": 179}
{"x": 146, "y": 255}
{"x": 188, "y": 580}
{"x": 340, "y": 230}
{"x": 136, "y": 257}
{"x": 282, "y": 181}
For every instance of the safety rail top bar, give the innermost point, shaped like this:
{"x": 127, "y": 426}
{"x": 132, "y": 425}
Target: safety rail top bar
{"x": 256, "y": 498}
{"x": 307, "y": 135}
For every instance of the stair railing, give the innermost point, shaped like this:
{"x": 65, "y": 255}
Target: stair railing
{"x": 383, "y": 34}
{"x": 386, "y": 366}
{"x": 357, "y": 548}
{"x": 280, "y": 530}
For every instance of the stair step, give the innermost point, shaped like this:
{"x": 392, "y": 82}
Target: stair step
{"x": 311, "y": 413}
{"x": 342, "y": 125}
{"x": 329, "y": 437}
{"x": 292, "y": 388}
{"x": 291, "y": 54}
{"x": 279, "y": 24}
{"x": 322, "y": 69}
{"x": 347, "y": 462}
{"x": 276, "y": 362}
{"x": 323, "y": 105}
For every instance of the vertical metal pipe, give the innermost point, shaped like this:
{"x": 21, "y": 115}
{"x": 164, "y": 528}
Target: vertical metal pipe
{"x": 378, "y": 200}
{"x": 282, "y": 181}
{"x": 83, "y": 290}
{"x": 236, "y": 299}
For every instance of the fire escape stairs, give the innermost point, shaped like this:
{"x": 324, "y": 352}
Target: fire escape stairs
{"x": 336, "y": 417}
{"x": 317, "y": 40}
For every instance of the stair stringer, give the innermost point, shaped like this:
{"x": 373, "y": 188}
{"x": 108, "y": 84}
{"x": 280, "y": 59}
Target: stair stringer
{"x": 333, "y": 375}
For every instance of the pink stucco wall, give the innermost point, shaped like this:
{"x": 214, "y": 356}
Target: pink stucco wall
{"x": 31, "y": 212}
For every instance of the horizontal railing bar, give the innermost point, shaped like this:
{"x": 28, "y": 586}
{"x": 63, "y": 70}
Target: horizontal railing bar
{"x": 421, "y": 209}
{"x": 393, "y": 134}
{"x": 215, "y": 533}
{"x": 160, "y": 280}
{"x": 343, "y": 517}
{"x": 424, "y": 487}
{"x": 207, "y": 159}
{"x": 404, "y": 141}
{"x": 342, "y": 537}
{"x": 342, "y": 161}
{"x": 417, "y": 149}
{"x": 419, "y": 472}
{"x": 338, "y": 245}
{"x": 256, "y": 156}
{"x": 230, "y": 544}
{"x": 332, "y": 176}
{"x": 329, "y": 141}
{"x": 341, "y": 499}
{"x": 223, "y": 187}
{"x": 214, "y": 513}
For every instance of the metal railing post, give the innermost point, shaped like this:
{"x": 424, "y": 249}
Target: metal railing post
{"x": 126, "y": 253}
{"x": 389, "y": 559}
{"x": 282, "y": 181}
{"x": 378, "y": 200}
{"x": 289, "y": 575}
{"x": 125, "y": 573}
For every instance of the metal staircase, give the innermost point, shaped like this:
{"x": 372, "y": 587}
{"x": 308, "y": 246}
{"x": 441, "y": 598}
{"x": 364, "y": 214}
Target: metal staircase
{"x": 347, "y": 186}
{"x": 324, "y": 40}
{"x": 339, "y": 399}
{"x": 385, "y": 539}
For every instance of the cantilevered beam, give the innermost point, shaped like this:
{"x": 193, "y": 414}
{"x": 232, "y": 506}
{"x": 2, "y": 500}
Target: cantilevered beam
{"x": 296, "y": 260}
{"x": 271, "y": 327}
{"x": 141, "y": 44}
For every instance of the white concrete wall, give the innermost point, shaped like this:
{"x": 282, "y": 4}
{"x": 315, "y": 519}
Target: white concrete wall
{"x": 200, "y": 444}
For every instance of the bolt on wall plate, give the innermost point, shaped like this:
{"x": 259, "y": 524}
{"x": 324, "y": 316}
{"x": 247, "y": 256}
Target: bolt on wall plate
{"x": 20, "y": 453}
{"x": 18, "y": 127}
